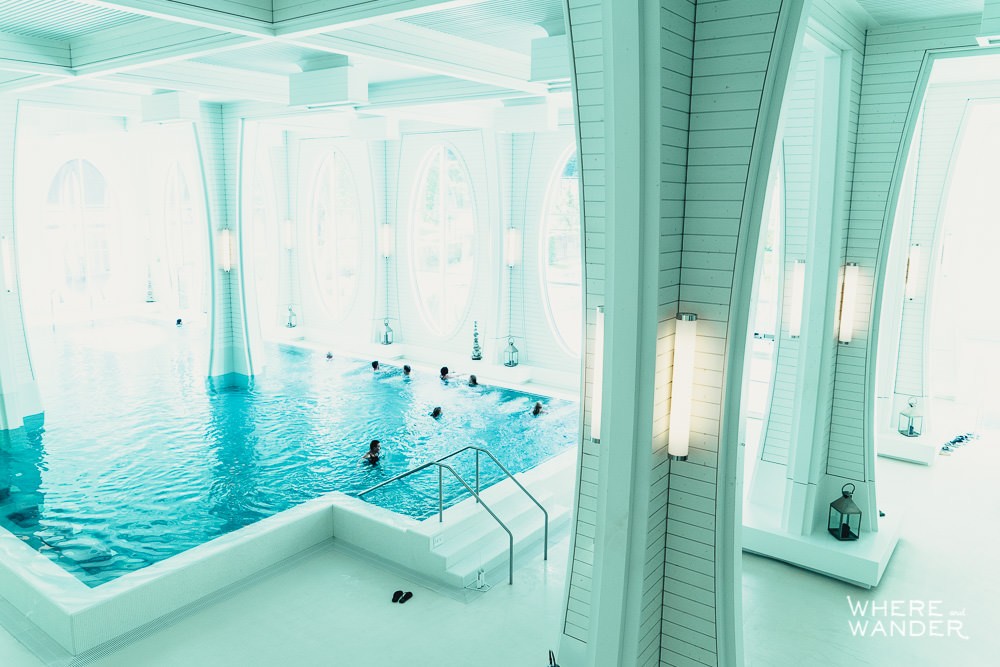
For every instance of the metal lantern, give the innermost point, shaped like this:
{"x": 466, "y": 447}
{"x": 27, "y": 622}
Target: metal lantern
{"x": 845, "y": 516}
{"x": 510, "y": 354}
{"x": 387, "y": 336}
{"x": 293, "y": 319}
{"x": 911, "y": 422}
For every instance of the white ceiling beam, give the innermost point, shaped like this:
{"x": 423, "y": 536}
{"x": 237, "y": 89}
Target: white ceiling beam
{"x": 432, "y": 51}
{"x": 29, "y": 82}
{"x": 32, "y": 55}
{"x": 299, "y": 18}
{"x": 147, "y": 43}
{"x": 211, "y": 80}
{"x": 430, "y": 90}
{"x": 226, "y": 15}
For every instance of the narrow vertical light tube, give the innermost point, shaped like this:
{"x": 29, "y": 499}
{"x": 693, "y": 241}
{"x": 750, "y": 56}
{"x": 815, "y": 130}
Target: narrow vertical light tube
{"x": 512, "y": 247}
{"x": 598, "y": 391}
{"x": 9, "y": 279}
{"x": 798, "y": 294}
{"x": 287, "y": 235}
{"x": 848, "y": 303}
{"x": 385, "y": 240}
{"x": 682, "y": 387}
{"x": 225, "y": 252}
{"x": 913, "y": 271}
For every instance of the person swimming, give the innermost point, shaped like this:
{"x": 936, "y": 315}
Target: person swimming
{"x": 444, "y": 373}
{"x": 406, "y": 369}
{"x": 375, "y": 365}
{"x": 537, "y": 410}
{"x": 473, "y": 382}
{"x": 329, "y": 356}
{"x": 437, "y": 412}
{"x": 374, "y": 451}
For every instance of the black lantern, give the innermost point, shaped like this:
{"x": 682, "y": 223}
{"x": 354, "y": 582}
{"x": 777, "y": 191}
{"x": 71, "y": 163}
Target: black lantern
{"x": 510, "y": 354}
{"x": 845, "y": 516}
{"x": 387, "y": 336}
{"x": 911, "y": 422}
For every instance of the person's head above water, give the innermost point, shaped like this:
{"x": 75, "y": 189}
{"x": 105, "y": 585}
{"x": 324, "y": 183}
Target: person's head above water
{"x": 473, "y": 381}
{"x": 436, "y": 412}
{"x": 444, "y": 372}
{"x": 537, "y": 409}
{"x": 406, "y": 369}
{"x": 375, "y": 365}
{"x": 375, "y": 446}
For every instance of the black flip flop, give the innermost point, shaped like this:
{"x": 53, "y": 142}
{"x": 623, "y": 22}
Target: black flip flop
{"x": 396, "y": 596}
{"x": 406, "y": 596}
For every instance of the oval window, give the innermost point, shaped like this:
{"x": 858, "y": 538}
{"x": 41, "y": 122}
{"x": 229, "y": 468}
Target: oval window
{"x": 443, "y": 231}
{"x": 562, "y": 272}
{"x": 336, "y": 227}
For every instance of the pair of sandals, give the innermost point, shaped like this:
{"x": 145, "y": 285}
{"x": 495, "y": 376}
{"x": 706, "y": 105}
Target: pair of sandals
{"x": 401, "y": 597}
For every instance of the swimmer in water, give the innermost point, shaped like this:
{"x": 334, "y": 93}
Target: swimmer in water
{"x": 375, "y": 365}
{"x": 406, "y": 369}
{"x": 473, "y": 382}
{"x": 444, "y": 373}
{"x": 537, "y": 410}
{"x": 437, "y": 412}
{"x": 374, "y": 451}
{"x": 329, "y": 356}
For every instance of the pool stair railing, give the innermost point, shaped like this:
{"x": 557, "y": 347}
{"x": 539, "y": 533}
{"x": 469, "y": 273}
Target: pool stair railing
{"x": 475, "y": 492}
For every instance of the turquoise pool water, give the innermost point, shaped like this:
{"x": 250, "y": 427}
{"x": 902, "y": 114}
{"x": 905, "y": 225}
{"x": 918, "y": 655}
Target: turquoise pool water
{"x": 137, "y": 461}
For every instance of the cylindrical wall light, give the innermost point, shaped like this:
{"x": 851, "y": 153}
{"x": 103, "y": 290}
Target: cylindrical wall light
{"x": 9, "y": 279}
{"x": 512, "y": 246}
{"x": 287, "y": 235}
{"x": 913, "y": 271}
{"x": 595, "y": 402}
{"x": 682, "y": 387}
{"x": 224, "y": 254}
{"x": 385, "y": 240}
{"x": 798, "y": 293}
{"x": 848, "y": 303}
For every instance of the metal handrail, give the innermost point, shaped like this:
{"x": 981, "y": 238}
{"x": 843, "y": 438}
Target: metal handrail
{"x": 474, "y": 493}
{"x": 510, "y": 535}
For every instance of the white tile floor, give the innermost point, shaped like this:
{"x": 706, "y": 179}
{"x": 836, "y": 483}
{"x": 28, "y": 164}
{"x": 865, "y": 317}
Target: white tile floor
{"x": 333, "y": 609}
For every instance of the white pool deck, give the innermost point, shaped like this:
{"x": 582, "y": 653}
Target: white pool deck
{"x": 332, "y": 608}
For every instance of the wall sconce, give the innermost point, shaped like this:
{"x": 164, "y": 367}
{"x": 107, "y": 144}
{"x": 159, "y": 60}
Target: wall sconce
{"x": 512, "y": 246}
{"x": 385, "y": 240}
{"x": 913, "y": 271}
{"x": 225, "y": 252}
{"x": 596, "y": 399}
{"x": 682, "y": 388}
{"x": 287, "y": 235}
{"x": 9, "y": 278}
{"x": 798, "y": 293}
{"x": 848, "y": 303}
{"x": 293, "y": 319}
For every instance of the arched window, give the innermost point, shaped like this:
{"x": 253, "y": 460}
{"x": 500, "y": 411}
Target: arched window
{"x": 336, "y": 227}
{"x": 443, "y": 231}
{"x": 79, "y": 230}
{"x": 185, "y": 244}
{"x": 561, "y": 270}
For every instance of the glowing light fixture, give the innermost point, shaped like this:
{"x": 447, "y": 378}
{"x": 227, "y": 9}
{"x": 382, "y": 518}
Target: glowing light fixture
{"x": 9, "y": 279}
{"x": 682, "y": 389}
{"x": 798, "y": 292}
{"x": 225, "y": 252}
{"x": 287, "y": 235}
{"x": 595, "y": 402}
{"x": 848, "y": 303}
{"x": 385, "y": 240}
{"x": 512, "y": 246}
{"x": 913, "y": 266}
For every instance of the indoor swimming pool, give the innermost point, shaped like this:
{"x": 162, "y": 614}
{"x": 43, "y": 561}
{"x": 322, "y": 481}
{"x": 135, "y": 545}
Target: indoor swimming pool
{"x": 138, "y": 461}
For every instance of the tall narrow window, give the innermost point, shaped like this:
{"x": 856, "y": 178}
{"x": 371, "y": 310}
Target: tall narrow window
{"x": 443, "y": 232}
{"x": 336, "y": 225}
{"x": 185, "y": 245}
{"x": 561, "y": 270}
